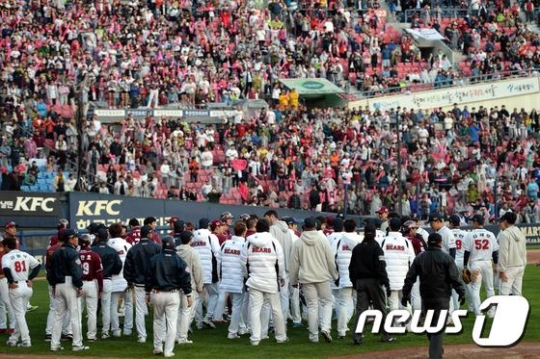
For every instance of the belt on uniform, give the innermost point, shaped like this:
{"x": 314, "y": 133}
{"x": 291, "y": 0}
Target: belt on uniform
{"x": 166, "y": 291}
{"x": 141, "y": 285}
{"x": 107, "y": 278}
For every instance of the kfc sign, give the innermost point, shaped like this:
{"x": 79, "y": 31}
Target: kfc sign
{"x": 27, "y": 204}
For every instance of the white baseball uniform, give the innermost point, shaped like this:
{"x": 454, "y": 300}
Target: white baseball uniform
{"x": 448, "y": 240}
{"x": 481, "y": 244}
{"x": 459, "y": 236}
{"x": 20, "y": 264}
{"x": 119, "y": 285}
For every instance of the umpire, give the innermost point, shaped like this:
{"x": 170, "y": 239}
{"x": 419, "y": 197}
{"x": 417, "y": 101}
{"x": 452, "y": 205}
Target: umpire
{"x": 166, "y": 276}
{"x": 367, "y": 272}
{"x": 438, "y": 275}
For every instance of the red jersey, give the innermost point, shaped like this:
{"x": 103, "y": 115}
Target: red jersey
{"x": 221, "y": 237}
{"x": 418, "y": 244}
{"x": 134, "y": 236}
{"x": 53, "y": 240}
{"x": 49, "y": 254}
{"x": 91, "y": 267}
{"x": 250, "y": 232}
{"x": 155, "y": 237}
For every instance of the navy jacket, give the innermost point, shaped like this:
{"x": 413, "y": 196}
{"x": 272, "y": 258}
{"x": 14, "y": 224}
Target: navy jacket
{"x": 112, "y": 264}
{"x": 138, "y": 261}
{"x": 167, "y": 271}
{"x": 65, "y": 262}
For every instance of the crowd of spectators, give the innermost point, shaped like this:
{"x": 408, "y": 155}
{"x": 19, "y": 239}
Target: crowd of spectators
{"x": 149, "y": 54}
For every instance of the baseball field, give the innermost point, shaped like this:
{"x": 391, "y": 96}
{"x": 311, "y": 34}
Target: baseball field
{"x": 210, "y": 343}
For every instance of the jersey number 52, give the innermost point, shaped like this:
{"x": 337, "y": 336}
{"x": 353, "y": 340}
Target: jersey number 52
{"x": 480, "y": 244}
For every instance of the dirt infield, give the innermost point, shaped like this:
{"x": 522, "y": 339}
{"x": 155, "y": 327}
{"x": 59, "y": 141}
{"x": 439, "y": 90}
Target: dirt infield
{"x": 533, "y": 256}
{"x": 521, "y": 351}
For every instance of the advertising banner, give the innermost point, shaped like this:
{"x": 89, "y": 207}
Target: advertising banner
{"x": 29, "y": 204}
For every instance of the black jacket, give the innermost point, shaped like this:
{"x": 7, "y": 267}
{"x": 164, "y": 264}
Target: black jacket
{"x": 168, "y": 272}
{"x": 138, "y": 260}
{"x": 367, "y": 262}
{"x": 65, "y": 262}
{"x": 112, "y": 264}
{"x": 438, "y": 275}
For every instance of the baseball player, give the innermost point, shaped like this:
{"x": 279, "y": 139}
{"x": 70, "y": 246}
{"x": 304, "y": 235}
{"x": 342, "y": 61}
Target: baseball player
{"x": 112, "y": 265}
{"x": 207, "y": 245}
{"x": 134, "y": 234}
{"x": 263, "y": 265}
{"x": 459, "y": 235}
{"x": 342, "y": 249}
{"x": 119, "y": 284}
{"x": 135, "y": 269}
{"x": 512, "y": 255}
{"x": 62, "y": 224}
{"x": 481, "y": 248}
{"x": 409, "y": 230}
{"x": 66, "y": 279}
{"x": 167, "y": 275}
{"x": 4, "y": 297}
{"x": 92, "y": 285}
{"x": 186, "y": 314}
{"x": 399, "y": 255}
{"x": 294, "y": 291}
{"x": 152, "y": 222}
{"x": 19, "y": 268}
{"x": 227, "y": 218}
{"x": 232, "y": 279}
{"x": 437, "y": 224}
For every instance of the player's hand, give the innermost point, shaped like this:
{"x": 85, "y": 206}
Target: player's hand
{"x": 503, "y": 277}
{"x": 281, "y": 282}
{"x": 495, "y": 270}
{"x": 405, "y": 301}
{"x": 189, "y": 301}
{"x": 79, "y": 292}
{"x": 147, "y": 298}
{"x": 13, "y": 286}
{"x": 128, "y": 288}
{"x": 29, "y": 283}
{"x": 461, "y": 298}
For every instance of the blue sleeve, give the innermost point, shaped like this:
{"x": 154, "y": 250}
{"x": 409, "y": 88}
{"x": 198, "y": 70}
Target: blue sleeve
{"x": 34, "y": 272}
{"x": 7, "y": 273}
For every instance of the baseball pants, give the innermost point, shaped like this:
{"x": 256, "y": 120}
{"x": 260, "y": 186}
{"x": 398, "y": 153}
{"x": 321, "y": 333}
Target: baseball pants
{"x": 106, "y": 306}
{"x": 4, "y": 297}
{"x": 165, "y": 316}
{"x": 185, "y": 315}
{"x": 485, "y": 275}
{"x": 237, "y": 300}
{"x": 295, "y": 304}
{"x": 515, "y": 281}
{"x": 416, "y": 300}
{"x": 455, "y": 296}
{"x": 66, "y": 327}
{"x": 344, "y": 301}
{"x": 66, "y": 302}
{"x": 89, "y": 299}
{"x": 141, "y": 310}
{"x": 128, "y": 316}
{"x": 19, "y": 298}
{"x": 318, "y": 296}
{"x": 256, "y": 299}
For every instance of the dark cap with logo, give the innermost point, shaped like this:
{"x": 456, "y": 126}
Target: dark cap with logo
{"x": 69, "y": 233}
{"x": 203, "y": 223}
{"x": 434, "y": 238}
{"x": 478, "y": 218}
{"x": 145, "y": 231}
{"x": 289, "y": 220}
{"x": 93, "y": 227}
{"x": 454, "y": 220}
{"x": 435, "y": 217}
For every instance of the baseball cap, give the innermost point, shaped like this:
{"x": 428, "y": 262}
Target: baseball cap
{"x": 226, "y": 215}
{"x": 383, "y": 209}
{"x": 68, "y": 233}
{"x": 435, "y": 217}
{"x": 410, "y": 224}
{"x": 216, "y": 223}
{"x": 93, "y": 227}
{"x": 434, "y": 238}
{"x": 289, "y": 220}
{"x": 204, "y": 222}
{"x": 454, "y": 219}
{"x": 309, "y": 223}
{"x": 102, "y": 233}
{"x": 145, "y": 231}
{"x": 478, "y": 218}
{"x": 11, "y": 225}
{"x": 173, "y": 219}
{"x": 245, "y": 216}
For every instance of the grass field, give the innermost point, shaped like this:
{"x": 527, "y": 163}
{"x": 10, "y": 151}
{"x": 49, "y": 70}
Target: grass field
{"x": 214, "y": 343}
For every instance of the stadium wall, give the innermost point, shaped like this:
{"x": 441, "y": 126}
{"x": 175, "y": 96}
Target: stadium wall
{"x": 521, "y": 92}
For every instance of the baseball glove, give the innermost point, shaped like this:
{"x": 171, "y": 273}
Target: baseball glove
{"x": 466, "y": 275}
